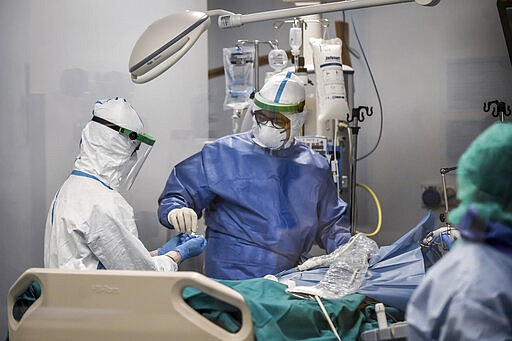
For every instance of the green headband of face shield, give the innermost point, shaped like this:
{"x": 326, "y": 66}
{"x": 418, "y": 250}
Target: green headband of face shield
{"x": 284, "y": 108}
{"x": 132, "y": 135}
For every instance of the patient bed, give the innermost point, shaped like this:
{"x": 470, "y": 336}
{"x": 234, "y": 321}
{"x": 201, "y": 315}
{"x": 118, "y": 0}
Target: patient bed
{"x": 126, "y": 305}
{"x": 119, "y": 305}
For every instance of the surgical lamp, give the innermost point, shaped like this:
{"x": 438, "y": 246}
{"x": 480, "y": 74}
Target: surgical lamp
{"x": 165, "y": 41}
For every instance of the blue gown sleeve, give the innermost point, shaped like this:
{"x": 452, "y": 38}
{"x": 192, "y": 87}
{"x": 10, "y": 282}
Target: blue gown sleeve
{"x": 187, "y": 186}
{"x": 333, "y": 225}
{"x": 476, "y": 305}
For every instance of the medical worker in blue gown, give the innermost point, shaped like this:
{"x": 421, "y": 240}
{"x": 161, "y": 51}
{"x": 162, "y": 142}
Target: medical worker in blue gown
{"x": 90, "y": 225}
{"x": 267, "y": 197}
{"x": 467, "y": 295}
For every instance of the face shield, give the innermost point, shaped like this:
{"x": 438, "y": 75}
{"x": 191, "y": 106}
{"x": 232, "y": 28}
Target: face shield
{"x": 142, "y": 145}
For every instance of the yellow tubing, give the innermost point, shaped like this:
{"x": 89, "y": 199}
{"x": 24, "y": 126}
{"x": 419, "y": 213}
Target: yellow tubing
{"x": 379, "y": 210}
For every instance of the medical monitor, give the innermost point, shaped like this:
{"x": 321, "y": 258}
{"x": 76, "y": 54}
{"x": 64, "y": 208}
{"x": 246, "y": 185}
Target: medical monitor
{"x": 505, "y": 12}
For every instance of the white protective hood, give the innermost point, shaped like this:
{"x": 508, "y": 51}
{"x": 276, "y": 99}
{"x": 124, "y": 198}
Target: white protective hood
{"x": 104, "y": 153}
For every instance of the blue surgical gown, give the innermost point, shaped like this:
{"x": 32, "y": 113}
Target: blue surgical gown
{"x": 263, "y": 208}
{"x": 467, "y": 295}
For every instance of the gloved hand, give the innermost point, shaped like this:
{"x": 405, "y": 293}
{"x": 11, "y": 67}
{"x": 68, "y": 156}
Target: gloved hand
{"x": 190, "y": 246}
{"x": 170, "y": 245}
{"x": 183, "y": 219}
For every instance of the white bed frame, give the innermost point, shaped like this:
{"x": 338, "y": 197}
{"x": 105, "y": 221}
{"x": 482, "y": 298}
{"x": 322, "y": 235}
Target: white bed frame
{"x": 120, "y": 305}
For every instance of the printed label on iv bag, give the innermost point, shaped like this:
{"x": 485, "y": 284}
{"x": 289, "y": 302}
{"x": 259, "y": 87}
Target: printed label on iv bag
{"x": 333, "y": 81}
{"x": 330, "y": 83}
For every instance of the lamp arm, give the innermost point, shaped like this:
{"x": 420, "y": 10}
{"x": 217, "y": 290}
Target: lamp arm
{"x": 156, "y": 50}
{"x": 236, "y": 20}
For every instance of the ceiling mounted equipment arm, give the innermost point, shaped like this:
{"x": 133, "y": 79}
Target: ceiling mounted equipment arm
{"x": 165, "y": 41}
{"x": 236, "y": 20}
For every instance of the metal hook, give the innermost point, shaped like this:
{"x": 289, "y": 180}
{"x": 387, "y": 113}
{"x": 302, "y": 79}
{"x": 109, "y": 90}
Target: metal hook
{"x": 240, "y": 43}
{"x": 358, "y": 113}
{"x": 325, "y": 26}
{"x": 498, "y": 108}
{"x": 278, "y": 24}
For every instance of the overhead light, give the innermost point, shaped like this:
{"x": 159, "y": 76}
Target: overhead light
{"x": 164, "y": 42}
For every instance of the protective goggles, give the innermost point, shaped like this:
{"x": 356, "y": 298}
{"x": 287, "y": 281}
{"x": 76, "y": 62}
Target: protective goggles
{"x": 132, "y": 135}
{"x": 134, "y": 164}
{"x": 271, "y": 106}
{"x": 276, "y": 119}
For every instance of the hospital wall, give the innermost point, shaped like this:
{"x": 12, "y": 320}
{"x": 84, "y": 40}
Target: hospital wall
{"x": 58, "y": 57}
{"x": 434, "y": 67}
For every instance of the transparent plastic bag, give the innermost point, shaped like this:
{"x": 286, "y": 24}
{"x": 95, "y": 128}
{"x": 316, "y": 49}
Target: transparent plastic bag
{"x": 347, "y": 268}
{"x": 239, "y": 74}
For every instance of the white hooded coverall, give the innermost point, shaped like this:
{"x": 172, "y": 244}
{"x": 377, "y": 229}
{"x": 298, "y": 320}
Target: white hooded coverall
{"x": 89, "y": 221}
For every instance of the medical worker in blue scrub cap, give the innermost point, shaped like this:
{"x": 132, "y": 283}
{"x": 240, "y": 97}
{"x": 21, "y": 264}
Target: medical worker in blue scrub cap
{"x": 267, "y": 198}
{"x": 467, "y": 295}
{"x": 90, "y": 225}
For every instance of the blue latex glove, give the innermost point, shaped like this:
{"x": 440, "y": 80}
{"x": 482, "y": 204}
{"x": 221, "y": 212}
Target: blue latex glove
{"x": 190, "y": 246}
{"x": 170, "y": 245}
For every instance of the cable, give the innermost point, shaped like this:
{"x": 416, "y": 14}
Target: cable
{"x": 379, "y": 211}
{"x": 376, "y": 91}
{"x": 347, "y": 46}
{"x": 319, "y": 301}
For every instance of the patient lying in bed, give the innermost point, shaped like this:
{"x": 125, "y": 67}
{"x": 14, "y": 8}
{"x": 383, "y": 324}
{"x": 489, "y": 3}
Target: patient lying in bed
{"x": 279, "y": 310}
{"x": 280, "y": 313}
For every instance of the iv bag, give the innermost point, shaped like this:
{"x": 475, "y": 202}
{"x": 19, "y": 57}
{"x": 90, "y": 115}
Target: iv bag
{"x": 330, "y": 84}
{"x": 295, "y": 40}
{"x": 239, "y": 74}
{"x": 277, "y": 59}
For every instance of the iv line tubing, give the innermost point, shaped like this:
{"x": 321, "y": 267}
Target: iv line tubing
{"x": 319, "y": 301}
